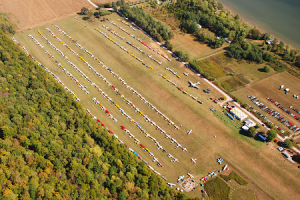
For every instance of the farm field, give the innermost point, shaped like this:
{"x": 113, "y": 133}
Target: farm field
{"x": 28, "y": 14}
{"x": 269, "y": 88}
{"x": 253, "y": 162}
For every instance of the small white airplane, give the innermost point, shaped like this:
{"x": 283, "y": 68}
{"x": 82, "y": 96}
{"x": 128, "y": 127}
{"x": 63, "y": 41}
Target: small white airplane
{"x": 178, "y": 145}
{"x": 190, "y": 131}
{"x": 180, "y": 177}
{"x": 186, "y": 74}
{"x": 193, "y": 160}
{"x": 224, "y": 167}
{"x": 184, "y": 149}
{"x": 194, "y": 84}
{"x": 170, "y": 156}
{"x": 175, "y": 160}
{"x": 155, "y": 159}
{"x": 171, "y": 184}
{"x": 168, "y": 136}
{"x": 151, "y": 154}
{"x": 147, "y": 135}
{"x": 159, "y": 147}
{"x": 190, "y": 175}
{"x": 173, "y": 140}
{"x": 131, "y": 135}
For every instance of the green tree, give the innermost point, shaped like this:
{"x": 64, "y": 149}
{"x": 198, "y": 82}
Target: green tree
{"x": 272, "y": 134}
{"x": 267, "y": 68}
{"x": 297, "y": 63}
{"x": 252, "y": 131}
{"x": 185, "y": 57}
{"x": 269, "y": 47}
{"x": 169, "y": 45}
{"x": 288, "y": 143}
{"x": 84, "y": 11}
{"x": 122, "y": 196}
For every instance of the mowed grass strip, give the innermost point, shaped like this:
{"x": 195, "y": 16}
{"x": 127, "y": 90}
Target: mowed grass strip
{"x": 217, "y": 189}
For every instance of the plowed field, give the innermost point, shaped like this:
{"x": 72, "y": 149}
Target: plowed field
{"x": 31, "y": 13}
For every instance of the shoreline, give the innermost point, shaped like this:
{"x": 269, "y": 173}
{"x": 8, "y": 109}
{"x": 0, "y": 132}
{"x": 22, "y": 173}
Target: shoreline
{"x": 252, "y": 24}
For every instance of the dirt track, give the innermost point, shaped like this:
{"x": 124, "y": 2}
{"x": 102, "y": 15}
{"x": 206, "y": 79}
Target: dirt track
{"x": 31, "y": 13}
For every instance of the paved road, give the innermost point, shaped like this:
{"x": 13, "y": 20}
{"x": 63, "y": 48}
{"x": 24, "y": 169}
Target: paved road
{"x": 92, "y": 4}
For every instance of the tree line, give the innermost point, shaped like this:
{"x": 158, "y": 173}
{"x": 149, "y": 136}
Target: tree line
{"x": 50, "y": 148}
{"x": 155, "y": 28}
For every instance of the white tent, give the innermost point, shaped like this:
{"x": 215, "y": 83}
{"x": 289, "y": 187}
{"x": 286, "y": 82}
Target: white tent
{"x": 238, "y": 114}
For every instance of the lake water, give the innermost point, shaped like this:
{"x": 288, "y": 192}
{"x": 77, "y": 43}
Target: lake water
{"x": 281, "y": 18}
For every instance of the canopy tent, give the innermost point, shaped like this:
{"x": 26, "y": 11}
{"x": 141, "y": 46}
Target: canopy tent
{"x": 238, "y": 114}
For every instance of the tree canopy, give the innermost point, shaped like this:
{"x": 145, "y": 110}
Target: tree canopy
{"x": 272, "y": 134}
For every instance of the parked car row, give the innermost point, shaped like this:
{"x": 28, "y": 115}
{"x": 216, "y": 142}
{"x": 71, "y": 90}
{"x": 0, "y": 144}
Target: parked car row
{"x": 273, "y": 113}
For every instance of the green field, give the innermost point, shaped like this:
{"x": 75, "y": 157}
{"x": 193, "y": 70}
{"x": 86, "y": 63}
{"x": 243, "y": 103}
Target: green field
{"x": 252, "y": 158}
{"x": 231, "y": 74}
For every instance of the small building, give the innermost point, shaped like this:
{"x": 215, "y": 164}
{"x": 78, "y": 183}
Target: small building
{"x": 270, "y": 41}
{"x": 248, "y": 124}
{"x": 240, "y": 115}
{"x": 227, "y": 40}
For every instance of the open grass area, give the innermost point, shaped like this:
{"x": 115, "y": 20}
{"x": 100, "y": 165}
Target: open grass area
{"x": 190, "y": 45}
{"x": 231, "y": 74}
{"x": 242, "y": 194}
{"x": 217, "y": 189}
{"x": 265, "y": 168}
{"x": 233, "y": 175}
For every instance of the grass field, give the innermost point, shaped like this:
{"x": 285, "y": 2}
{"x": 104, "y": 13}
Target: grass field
{"x": 231, "y": 74}
{"x": 269, "y": 88}
{"x": 217, "y": 189}
{"x": 253, "y": 159}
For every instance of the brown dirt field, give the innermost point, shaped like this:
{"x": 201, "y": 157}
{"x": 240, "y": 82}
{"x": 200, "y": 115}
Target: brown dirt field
{"x": 29, "y": 14}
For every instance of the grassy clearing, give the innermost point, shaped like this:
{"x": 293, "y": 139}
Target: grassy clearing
{"x": 242, "y": 73}
{"x": 237, "y": 149}
{"x": 217, "y": 189}
{"x": 233, "y": 175}
{"x": 231, "y": 84}
{"x": 211, "y": 70}
{"x": 242, "y": 194}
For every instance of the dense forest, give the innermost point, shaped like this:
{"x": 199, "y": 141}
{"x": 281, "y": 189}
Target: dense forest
{"x": 50, "y": 148}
